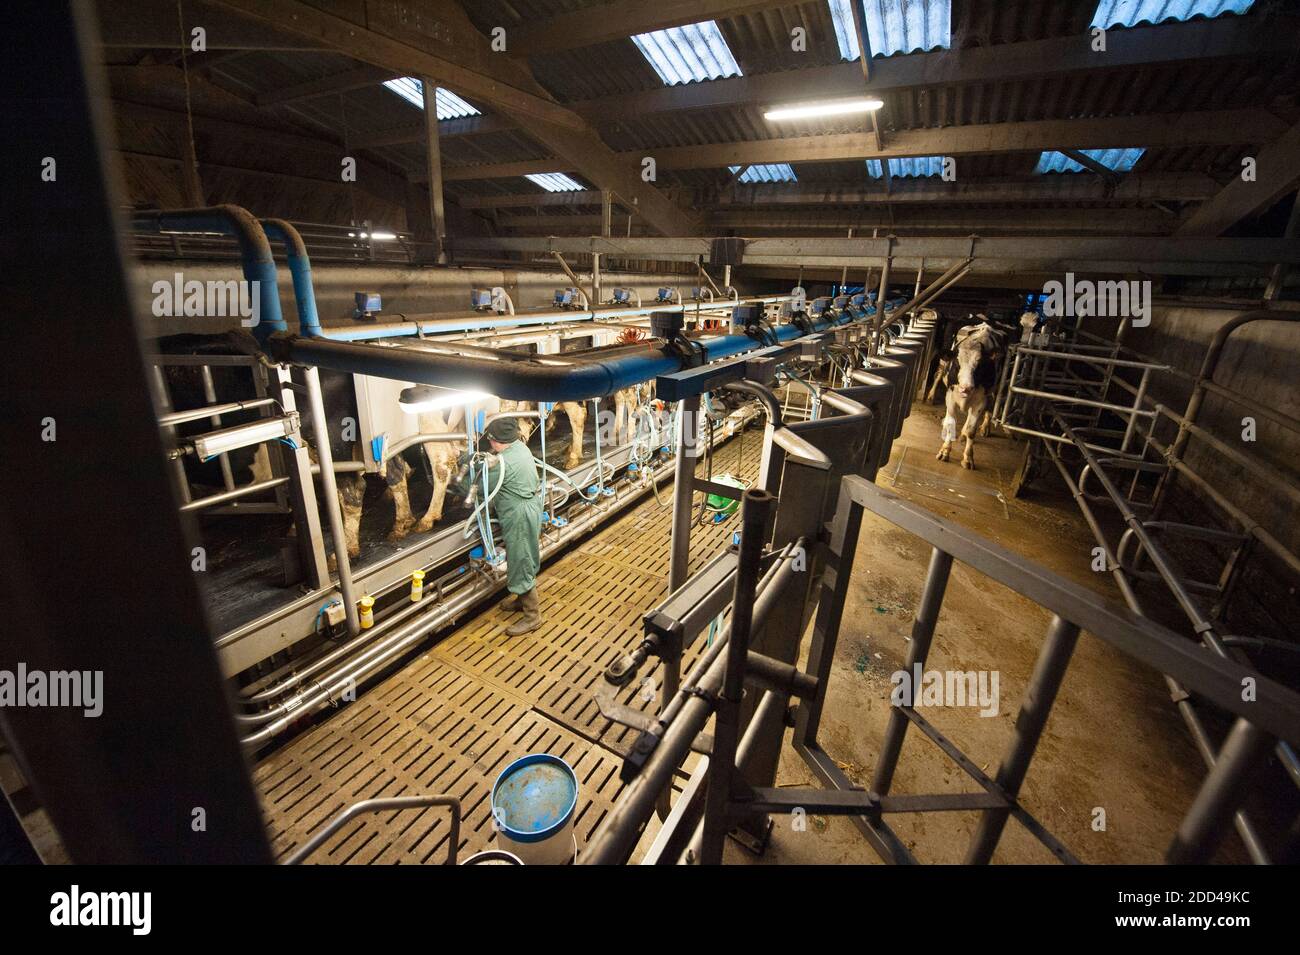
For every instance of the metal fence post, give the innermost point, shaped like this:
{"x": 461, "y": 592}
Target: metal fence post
{"x": 1049, "y": 671}
{"x": 755, "y": 506}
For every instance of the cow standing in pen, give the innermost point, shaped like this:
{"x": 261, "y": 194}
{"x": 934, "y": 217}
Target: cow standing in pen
{"x": 972, "y": 378}
{"x": 575, "y": 411}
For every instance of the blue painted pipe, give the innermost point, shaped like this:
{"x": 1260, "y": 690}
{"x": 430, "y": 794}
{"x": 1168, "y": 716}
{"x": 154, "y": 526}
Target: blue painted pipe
{"x": 304, "y": 295}
{"x": 519, "y": 381}
{"x": 254, "y": 249}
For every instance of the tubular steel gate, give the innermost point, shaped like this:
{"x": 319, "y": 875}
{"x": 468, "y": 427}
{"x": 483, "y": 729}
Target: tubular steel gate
{"x": 732, "y": 801}
{"x": 1058, "y": 395}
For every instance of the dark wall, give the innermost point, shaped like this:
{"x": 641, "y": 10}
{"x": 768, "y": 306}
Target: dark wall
{"x": 1262, "y": 362}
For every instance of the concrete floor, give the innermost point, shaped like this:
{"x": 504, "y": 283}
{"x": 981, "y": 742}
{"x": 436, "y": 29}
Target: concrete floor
{"x": 1114, "y": 741}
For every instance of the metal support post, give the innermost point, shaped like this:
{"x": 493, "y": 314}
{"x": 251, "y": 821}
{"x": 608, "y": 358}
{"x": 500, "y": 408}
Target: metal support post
{"x": 329, "y": 487}
{"x": 1049, "y": 671}
{"x": 755, "y": 506}
{"x": 927, "y": 616}
{"x": 311, "y": 544}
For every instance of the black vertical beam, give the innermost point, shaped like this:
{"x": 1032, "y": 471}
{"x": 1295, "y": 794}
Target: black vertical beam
{"x": 755, "y": 506}
{"x": 94, "y": 564}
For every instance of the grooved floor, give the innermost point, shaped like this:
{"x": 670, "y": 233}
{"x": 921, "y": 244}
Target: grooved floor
{"x": 452, "y": 719}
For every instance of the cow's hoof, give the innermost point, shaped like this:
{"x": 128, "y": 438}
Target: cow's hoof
{"x": 425, "y": 526}
{"x": 397, "y": 534}
{"x": 968, "y": 465}
{"x": 941, "y": 456}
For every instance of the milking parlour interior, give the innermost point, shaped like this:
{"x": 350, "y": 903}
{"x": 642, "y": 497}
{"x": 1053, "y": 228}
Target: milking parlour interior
{"x": 590, "y": 432}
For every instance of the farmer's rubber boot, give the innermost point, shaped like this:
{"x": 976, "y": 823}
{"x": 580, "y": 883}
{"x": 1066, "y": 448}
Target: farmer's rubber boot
{"x": 513, "y": 604}
{"x": 532, "y": 618}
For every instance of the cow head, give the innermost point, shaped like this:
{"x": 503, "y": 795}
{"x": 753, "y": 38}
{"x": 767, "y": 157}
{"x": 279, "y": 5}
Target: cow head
{"x": 975, "y": 345}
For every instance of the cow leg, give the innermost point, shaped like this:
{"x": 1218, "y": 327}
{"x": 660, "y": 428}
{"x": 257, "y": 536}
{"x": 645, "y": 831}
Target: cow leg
{"x": 948, "y": 430}
{"x": 526, "y": 424}
{"x": 352, "y": 494}
{"x": 261, "y": 466}
{"x": 940, "y": 374}
{"x": 399, "y": 488}
{"x": 440, "y": 461}
{"x": 577, "y": 413}
{"x": 623, "y": 420}
{"x": 968, "y": 432}
{"x": 986, "y": 424}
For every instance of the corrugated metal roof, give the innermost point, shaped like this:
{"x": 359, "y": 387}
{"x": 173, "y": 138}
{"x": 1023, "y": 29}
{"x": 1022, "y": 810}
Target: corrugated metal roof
{"x": 894, "y": 26}
{"x": 759, "y": 43}
{"x": 688, "y": 54}
{"x": 1117, "y": 160}
{"x": 769, "y": 172}
{"x": 1127, "y": 13}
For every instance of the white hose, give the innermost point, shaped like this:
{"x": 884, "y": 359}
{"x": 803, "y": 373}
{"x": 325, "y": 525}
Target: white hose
{"x": 602, "y": 479}
{"x": 484, "y": 528}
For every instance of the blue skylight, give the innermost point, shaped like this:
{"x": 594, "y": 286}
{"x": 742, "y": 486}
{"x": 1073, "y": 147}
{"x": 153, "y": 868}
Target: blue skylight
{"x": 688, "y": 54}
{"x": 1117, "y": 160}
{"x": 554, "y": 182}
{"x": 450, "y": 106}
{"x": 770, "y": 172}
{"x": 1127, "y": 13}
{"x": 894, "y": 26}
{"x": 914, "y": 166}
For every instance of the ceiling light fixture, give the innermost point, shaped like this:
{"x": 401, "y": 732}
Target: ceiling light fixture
{"x": 831, "y": 108}
{"x": 420, "y": 398}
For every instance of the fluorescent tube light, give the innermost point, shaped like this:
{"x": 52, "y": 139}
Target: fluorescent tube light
{"x": 832, "y": 108}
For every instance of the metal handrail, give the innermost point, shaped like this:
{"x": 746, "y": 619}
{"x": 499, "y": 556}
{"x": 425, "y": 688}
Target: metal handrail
{"x": 1274, "y": 714}
{"x": 380, "y": 805}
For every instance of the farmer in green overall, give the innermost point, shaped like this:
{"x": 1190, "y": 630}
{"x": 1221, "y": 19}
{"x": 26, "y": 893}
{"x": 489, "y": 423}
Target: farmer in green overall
{"x": 518, "y": 509}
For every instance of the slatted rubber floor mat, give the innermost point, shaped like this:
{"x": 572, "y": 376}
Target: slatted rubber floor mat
{"x": 452, "y": 719}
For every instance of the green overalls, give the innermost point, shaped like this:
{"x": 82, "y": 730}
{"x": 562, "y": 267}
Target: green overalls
{"x": 518, "y": 509}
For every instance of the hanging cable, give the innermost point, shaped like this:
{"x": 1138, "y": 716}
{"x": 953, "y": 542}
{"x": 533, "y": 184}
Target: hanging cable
{"x": 194, "y": 184}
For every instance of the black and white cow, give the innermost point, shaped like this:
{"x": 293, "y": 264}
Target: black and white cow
{"x": 971, "y": 378}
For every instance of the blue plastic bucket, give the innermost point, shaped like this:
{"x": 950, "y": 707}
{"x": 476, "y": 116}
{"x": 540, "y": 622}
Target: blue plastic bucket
{"x": 534, "y": 802}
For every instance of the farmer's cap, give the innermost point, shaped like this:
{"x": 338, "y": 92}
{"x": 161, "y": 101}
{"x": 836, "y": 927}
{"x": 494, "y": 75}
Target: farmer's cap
{"x": 503, "y": 430}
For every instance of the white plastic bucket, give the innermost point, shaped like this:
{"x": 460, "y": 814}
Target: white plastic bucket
{"x": 534, "y": 803}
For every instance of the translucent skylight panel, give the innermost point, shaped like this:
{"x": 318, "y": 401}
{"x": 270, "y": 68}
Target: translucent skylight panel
{"x": 914, "y": 166}
{"x": 1117, "y": 160}
{"x": 1127, "y": 13}
{"x": 554, "y": 182}
{"x": 894, "y": 26}
{"x": 688, "y": 54}
{"x": 450, "y": 106}
{"x": 769, "y": 172}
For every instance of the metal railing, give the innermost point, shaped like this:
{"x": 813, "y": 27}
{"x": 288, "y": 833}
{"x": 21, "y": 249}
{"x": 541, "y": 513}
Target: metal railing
{"x": 393, "y": 804}
{"x": 1273, "y": 714}
{"x": 329, "y": 243}
{"x": 1057, "y": 396}
{"x": 721, "y": 797}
